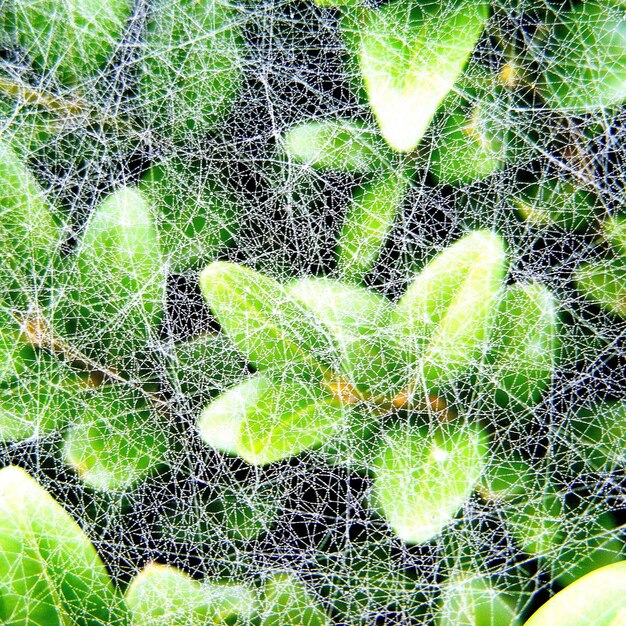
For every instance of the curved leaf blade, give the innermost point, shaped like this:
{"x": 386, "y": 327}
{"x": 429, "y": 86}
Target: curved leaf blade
{"x": 423, "y": 478}
{"x": 525, "y": 344}
{"x": 597, "y": 598}
{"x": 191, "y": 67}
{"x": 50, "y": 573}
{"x": 369, "y": 221}
{"x": 265, "y": 323}
{"x": 410, "y": 57}
{"x": 162, "y": 595}
{"x": 336, "y": 145}
{"x": 446, "y": 312}
{"x": 119, "y": 440}
{"x": 113, "y": 304}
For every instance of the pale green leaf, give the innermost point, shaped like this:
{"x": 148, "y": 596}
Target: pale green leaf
{"x": 423, "y": 478}
{"x": 266, "y": 324}
{"x": 162, "y": 595}
{"x": 410, "y": 56}
{"x": 446, "y": 312}
{"x": 349, "y": 311}
{"x": 340, "y": 145}
{"x": 597, "y": 598}
{"x": 368, "y": 223}
{"x": 29, "y": 234}
{"x": 220, "y": 422}
{"x": 50, "y": 573}
{"x": 289, "y": 417}
{"x": 287, "y": 602}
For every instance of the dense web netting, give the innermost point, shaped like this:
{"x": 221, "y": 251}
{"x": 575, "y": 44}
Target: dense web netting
{"x": 444, "y": 451}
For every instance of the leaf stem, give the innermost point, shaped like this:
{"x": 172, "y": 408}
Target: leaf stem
{"x": 40, "y": 97}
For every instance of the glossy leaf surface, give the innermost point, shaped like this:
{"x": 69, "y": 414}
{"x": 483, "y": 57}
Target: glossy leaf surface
{"x": 50, "y": 574}
{"x": 423, "y": 478}
{"x": 410, "y": 57}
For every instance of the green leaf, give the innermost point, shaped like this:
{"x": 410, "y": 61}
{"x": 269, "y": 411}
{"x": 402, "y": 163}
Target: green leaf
{"x": 598, "y": 435}
{"x": 593, "y": 544}
{"x": 556, "y": 202}
{"x": 265, "y": 323}
{"x": 536, "y": 525}
{"x": 597, "y": 598}
{"x": 445, "y": 314}
{"x": 356, "y": 444}
{"x": 506, "y": 479}
{"x": 524, "y": 345}
{"x": 37, "y": 391}
{"x": 377, "y": 364}
{"x": 203, "y": 364}
{"x": 50, "y": 573}
{"x": 71, "y": 40}
{"x": 264, "y": 420}
{"x": 289, "y": 416}
{"x": 191, "y": 67}
{"x": 162, "y": 595}
{"x": 197, "y": 217}
{"x": 583, "y": 52}
{"x": 119, "y": 439}
{"x": 604, "y": 282}
{"x": 424, "y": 477}
{"x": 615, "y": 231}
{"x": 468, "y": 135}
{"x": 369, "y": 221}
{"x": 38, "y": 401}
{"x": 29, "y": 233}
{"x": 286, "y": 602}
{"x": 220, "y": 422}
{"x": 113, "y": 304}
{"x": 349, "y": 311}
{"x": 340, "y": 145}
{"x": 26, "y": 128}
{"x": 474, "y": 601}
{"x": 410, "y": 57}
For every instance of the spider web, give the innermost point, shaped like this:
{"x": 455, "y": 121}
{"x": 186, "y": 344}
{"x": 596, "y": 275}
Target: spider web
{"x": 231, "y": 190}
